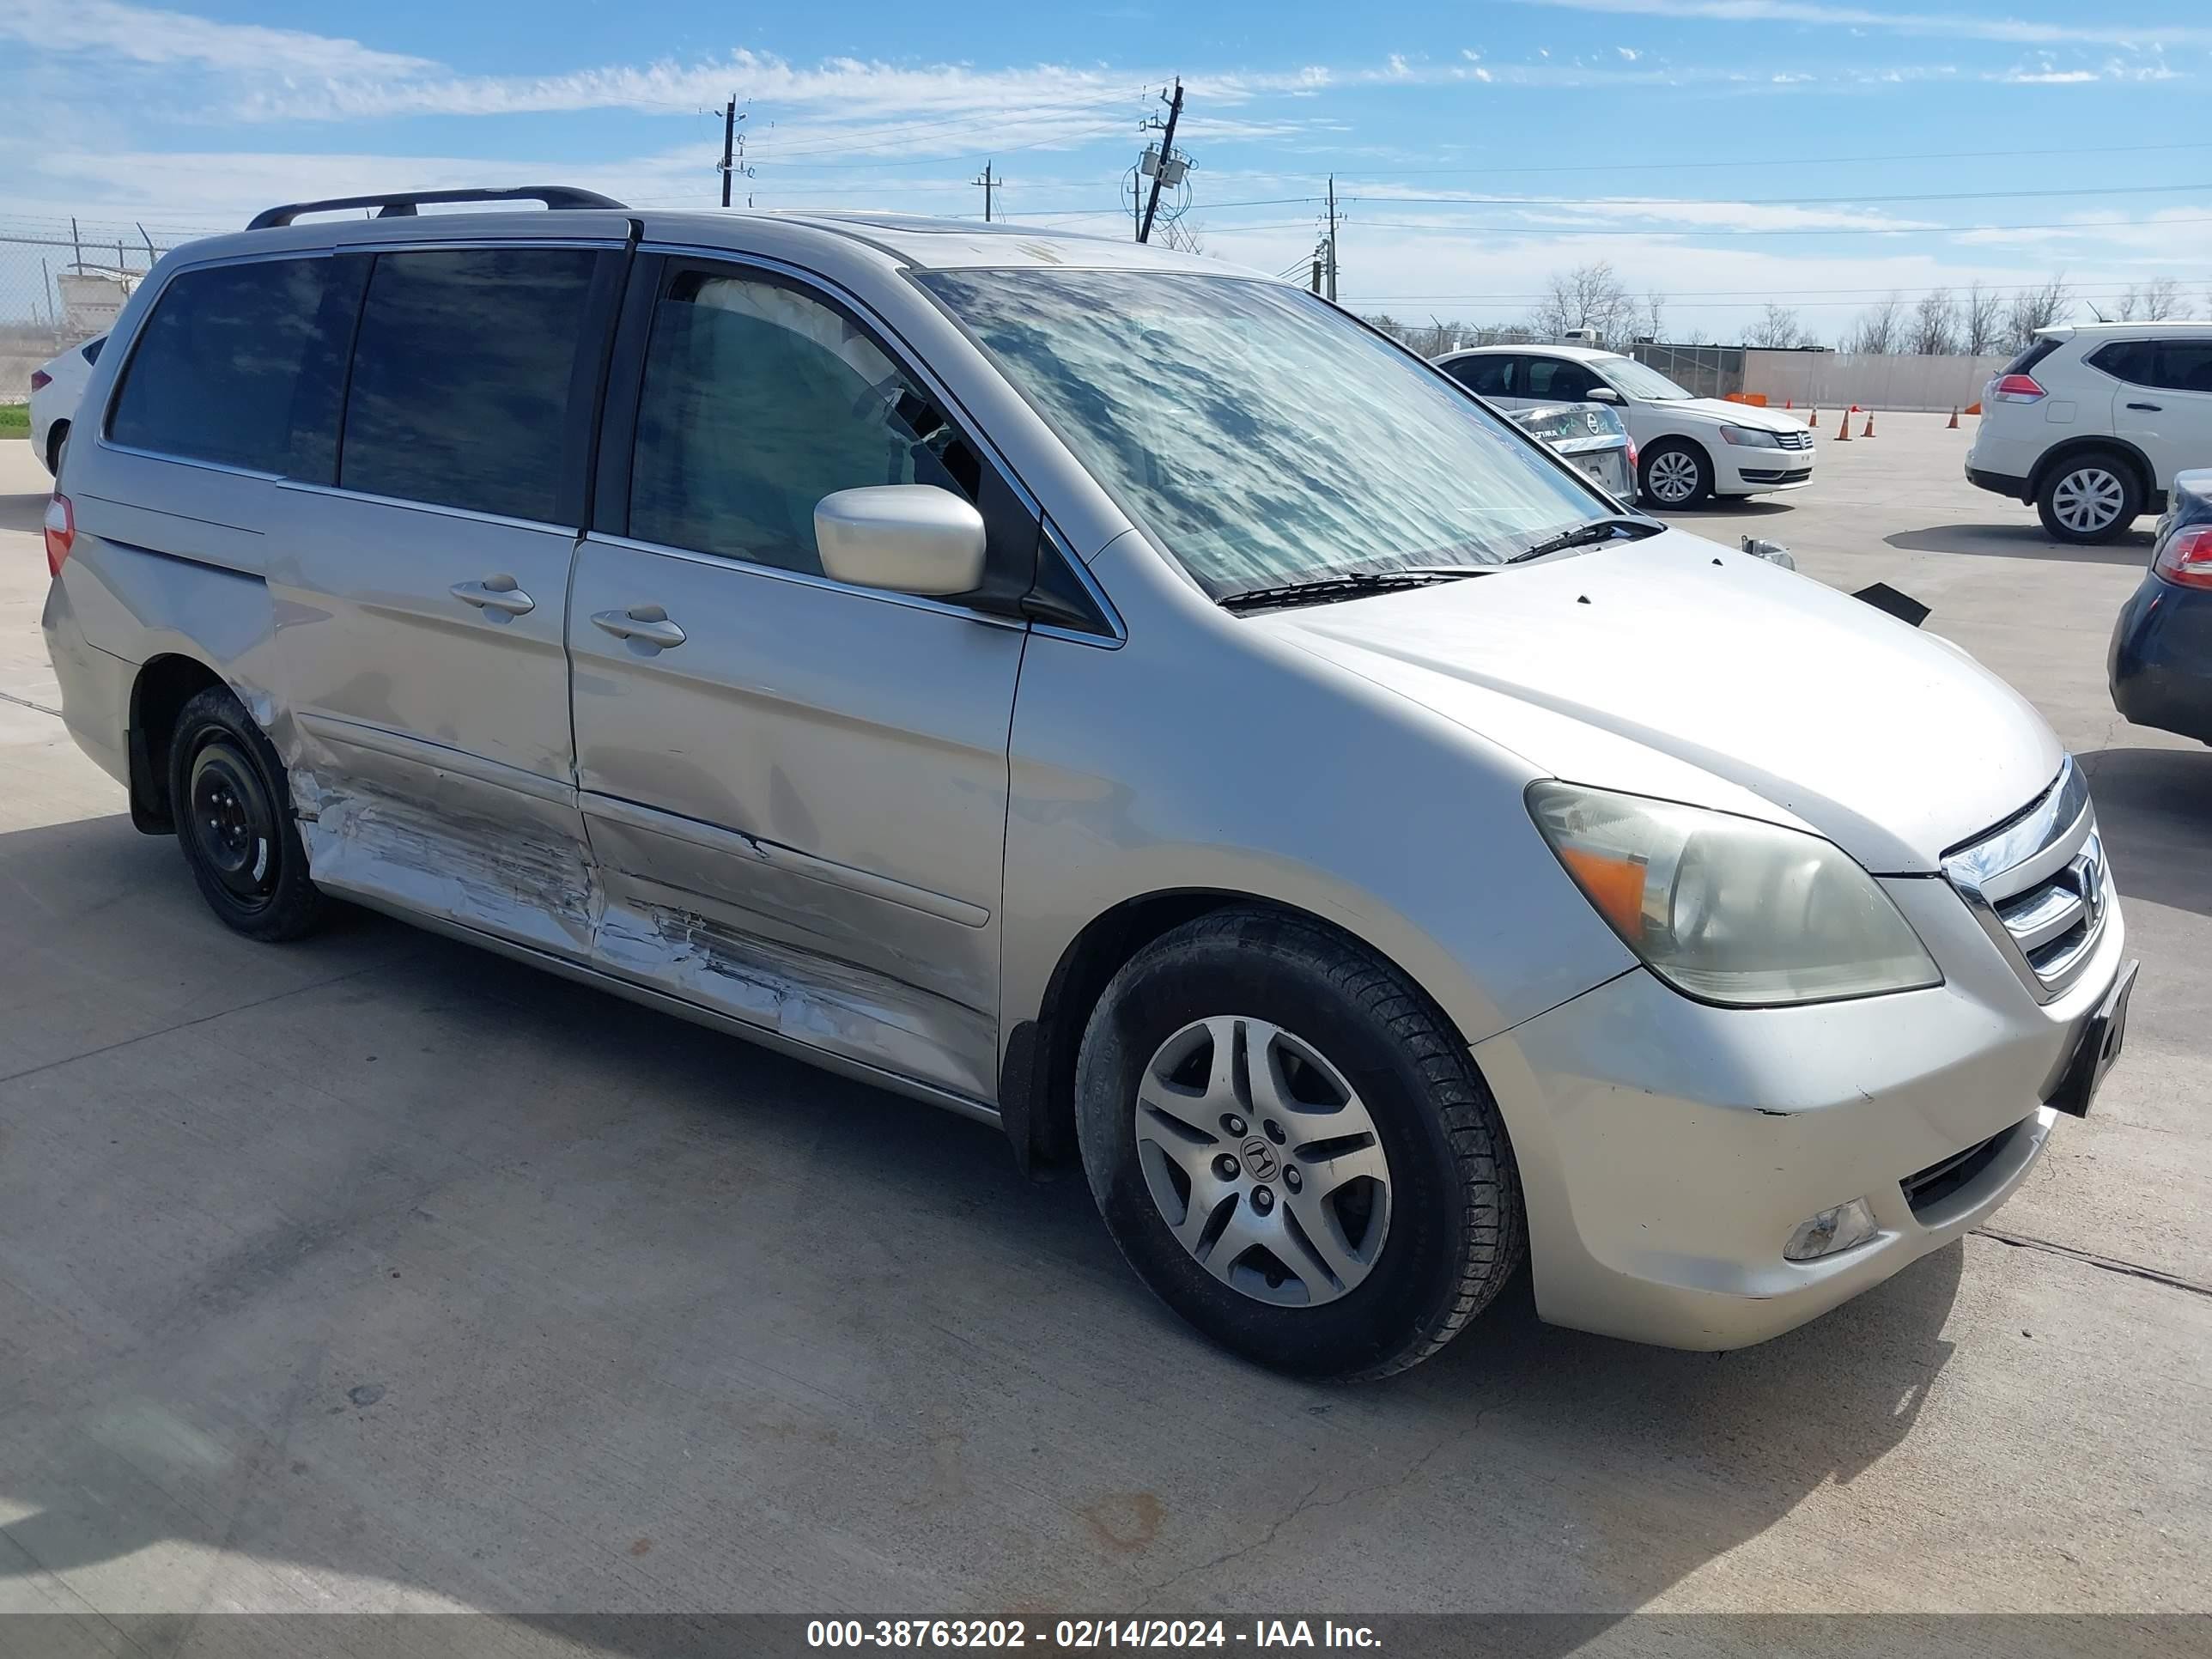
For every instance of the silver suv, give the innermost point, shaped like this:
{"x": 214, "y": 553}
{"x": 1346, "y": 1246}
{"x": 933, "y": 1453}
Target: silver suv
{"x": 1115, "y": 697}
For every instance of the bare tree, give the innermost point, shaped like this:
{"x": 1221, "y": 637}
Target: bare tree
{"x": 1589, "y": 296}
{"x": 1934, "y": 324}
{"x": 2162, "y": 301}
{"x": 1881, "y": 328}
{"x": 1184, "y": 239}
{"x": 1696, "y": 337}
{"x": 1981, "y": 319}
{"x": 2032, "y": 308}
{"x": 1777, "y": 328}
{"x": 1655, "y": 314}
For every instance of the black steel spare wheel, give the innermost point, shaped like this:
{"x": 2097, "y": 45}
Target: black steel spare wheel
{"x": 233, "y": 826}
{"x": 231, "y": 803}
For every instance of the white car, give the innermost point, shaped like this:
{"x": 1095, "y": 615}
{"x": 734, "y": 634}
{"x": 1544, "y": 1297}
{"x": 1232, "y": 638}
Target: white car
{"x": 2090, "y": 424}
{"x": 1688, "y": 448}
{"x": 56, "y": 386}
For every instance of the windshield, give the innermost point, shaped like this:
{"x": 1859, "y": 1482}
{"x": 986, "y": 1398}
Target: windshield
{"x": 1634, "y": 380}
{"x": 1258, "y": 434}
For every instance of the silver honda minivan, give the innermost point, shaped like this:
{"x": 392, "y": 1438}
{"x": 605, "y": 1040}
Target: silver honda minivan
{"x": 1112, "y": 696}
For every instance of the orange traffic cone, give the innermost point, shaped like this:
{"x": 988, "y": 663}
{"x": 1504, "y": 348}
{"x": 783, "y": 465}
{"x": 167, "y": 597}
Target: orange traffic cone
{"x": 1954, "y": 425}
{"x": 1813, "y": 419}
{"x": 1788, "y": 403}
{"x": 1973, "y": 409}
{"x": 1843, "y": 429}
{"x": 1869, "y": 433}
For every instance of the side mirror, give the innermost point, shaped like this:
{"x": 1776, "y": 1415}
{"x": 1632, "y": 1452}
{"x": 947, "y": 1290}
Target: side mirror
{"x": 910, "y": 539}
{"x": 1601, "y": 394}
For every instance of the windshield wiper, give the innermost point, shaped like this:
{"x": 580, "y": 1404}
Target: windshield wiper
{"x": 1597, "y": 529}
{"x": 1321, "y": 589}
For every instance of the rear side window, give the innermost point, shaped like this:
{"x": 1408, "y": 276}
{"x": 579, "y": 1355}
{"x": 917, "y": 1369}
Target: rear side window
{"x": 90, "y": 349}
{"x": 2031, "y": 354}
{"x": 2185, "y": 365}
{"x": 243, "y": 364}
{"x": 467, "y": 365}
{"x": 2132, "y": 361}
{"x": 1487, "y": 377}
{"x": 758, "y": 400}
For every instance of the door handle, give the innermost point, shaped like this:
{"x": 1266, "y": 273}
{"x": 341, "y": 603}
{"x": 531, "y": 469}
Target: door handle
{"x": 2149, "y": 407}
{"x": 647, "y": 624}
{"x": 499, "y": 593}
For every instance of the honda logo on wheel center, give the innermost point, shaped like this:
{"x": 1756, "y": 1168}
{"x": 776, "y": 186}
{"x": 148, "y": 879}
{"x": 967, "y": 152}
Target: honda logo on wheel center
{"x": 1259, "y": 1158}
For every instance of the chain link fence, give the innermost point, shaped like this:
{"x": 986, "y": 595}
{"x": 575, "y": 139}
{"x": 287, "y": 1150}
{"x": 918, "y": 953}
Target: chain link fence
{"x": 61, "y": 281}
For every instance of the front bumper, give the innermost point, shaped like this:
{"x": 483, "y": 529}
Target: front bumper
{"x": 1742, "y": 471}
{"x": 1668, "y": 1149}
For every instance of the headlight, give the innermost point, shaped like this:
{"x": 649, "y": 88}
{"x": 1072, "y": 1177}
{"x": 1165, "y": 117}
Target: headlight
{"x": 1750, "y": 437}
{"x": 1729, "y": 909}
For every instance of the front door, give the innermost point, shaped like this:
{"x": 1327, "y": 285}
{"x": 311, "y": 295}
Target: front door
{"x": 419, "y": 603}
{"x": 796, "y": 789}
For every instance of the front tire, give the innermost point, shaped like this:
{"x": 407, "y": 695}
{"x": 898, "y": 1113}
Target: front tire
{"x": 231, "y": 806}
{"x": 2089, "y": 498}
{"x": 1292, "y": 1148}
{"x": 1676, "y": 474}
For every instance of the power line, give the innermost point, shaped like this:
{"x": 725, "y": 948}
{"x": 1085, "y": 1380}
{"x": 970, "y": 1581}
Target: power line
{"x": 1778, "y": 201}
{"x": 1567, "y": 231}
{"x": 1805, "y": 162}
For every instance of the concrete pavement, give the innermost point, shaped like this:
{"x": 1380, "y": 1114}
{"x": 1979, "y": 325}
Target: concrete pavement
{"x": 376, "y": 1273}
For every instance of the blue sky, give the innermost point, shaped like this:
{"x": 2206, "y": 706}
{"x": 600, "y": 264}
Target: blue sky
{"x": 1722, "y": 153}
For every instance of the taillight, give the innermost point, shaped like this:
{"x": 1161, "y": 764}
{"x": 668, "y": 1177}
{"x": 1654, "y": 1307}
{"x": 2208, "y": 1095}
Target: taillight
{"x": 40, "y": 379}
{"x": 1631, "y": 458}
{"x": 2016, "y": 389}
{"x": 61, "y": 532}
{"x": 2186, "y": 558}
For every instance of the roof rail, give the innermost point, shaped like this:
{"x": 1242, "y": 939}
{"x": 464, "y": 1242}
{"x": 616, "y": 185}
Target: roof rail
{"x": 401, "y": 205}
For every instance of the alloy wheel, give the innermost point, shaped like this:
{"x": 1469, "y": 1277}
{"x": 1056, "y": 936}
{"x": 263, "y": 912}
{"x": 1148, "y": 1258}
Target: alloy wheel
{"x": 1263, "y": 1161}
{"x": 1674, "y": 477}
{"x": 2087, "y": 500}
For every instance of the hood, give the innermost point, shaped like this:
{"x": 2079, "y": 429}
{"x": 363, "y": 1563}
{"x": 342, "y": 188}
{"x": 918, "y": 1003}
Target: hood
{"x": 1750, "y": 415}
{"x": 1673, "y": 667}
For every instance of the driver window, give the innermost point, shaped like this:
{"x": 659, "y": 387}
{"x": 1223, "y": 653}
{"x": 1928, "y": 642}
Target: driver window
{"x": 758, "y": 401}
{"x": 1557, "y": 380}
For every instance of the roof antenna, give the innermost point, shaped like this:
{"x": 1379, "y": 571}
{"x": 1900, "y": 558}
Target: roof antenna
{"x": 2093, "y": 312}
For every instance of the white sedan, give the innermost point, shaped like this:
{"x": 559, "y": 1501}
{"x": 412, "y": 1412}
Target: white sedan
{"x": 1688, "y": 448}
{"x": 56, "y": 386}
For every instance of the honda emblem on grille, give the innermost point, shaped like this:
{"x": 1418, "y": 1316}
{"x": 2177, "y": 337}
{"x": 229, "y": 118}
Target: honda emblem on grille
{"x": 2089, "y": 881}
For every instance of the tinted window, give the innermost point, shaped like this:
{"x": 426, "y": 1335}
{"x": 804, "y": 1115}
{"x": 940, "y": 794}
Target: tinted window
{"x": 242, "y": 364}
{"x": 1490, "y": 377}
{"x": 2030, "y": 355}
{"x": 90, "y": 349}
{"x": 759, "y": 400}
{"x": 2186, "y": 365}
{"x": 463, "y": 376}
{"x": 1556, "y": 378}
{"x": 2127, "y": 359}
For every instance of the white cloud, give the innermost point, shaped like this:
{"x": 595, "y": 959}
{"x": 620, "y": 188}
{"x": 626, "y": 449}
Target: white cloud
{"x": 1958, "y": 26}
{"x": 143, "y": 34}
{"x": 1629, "y": 52}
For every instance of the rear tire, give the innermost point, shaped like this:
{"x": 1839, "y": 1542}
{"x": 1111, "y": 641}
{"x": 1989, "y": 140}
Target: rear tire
{"x": 231, "y": 806}
{"x": 2089, "y": 497}
{"x": 1676, "y": 474}
{"x": 1292, "y": 1148}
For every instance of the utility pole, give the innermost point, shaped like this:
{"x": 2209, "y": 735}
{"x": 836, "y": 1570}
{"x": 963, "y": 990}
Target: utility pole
{"x": 729, "y": 145}
{"x": 1315, "y": 283}
{"x": 1332, "y": 239}
{"x": 987, "y": 181}
{"x": 1167, "y": 149}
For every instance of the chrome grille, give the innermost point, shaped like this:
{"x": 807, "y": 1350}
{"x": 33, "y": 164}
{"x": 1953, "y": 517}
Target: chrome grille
{"x": 2039, "y": 886}
{"x": 1801, "y": 439}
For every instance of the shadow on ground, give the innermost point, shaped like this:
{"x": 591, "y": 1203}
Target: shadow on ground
{"x": 2014, "y": 541}
{"x": 25, "y": 512}
{"x": 378, "y": 1271}
{"x": 2154, "y": 813}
